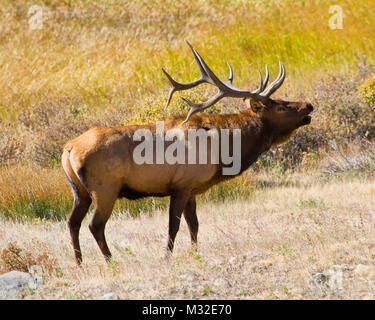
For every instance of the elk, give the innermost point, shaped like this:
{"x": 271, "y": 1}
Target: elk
{"x": 100, "y": 167}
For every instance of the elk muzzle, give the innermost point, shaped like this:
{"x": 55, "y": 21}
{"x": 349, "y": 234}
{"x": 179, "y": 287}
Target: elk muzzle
{"x": 306, "y": 111}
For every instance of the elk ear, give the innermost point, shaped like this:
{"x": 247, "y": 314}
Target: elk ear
{"x": 255, "y": 105}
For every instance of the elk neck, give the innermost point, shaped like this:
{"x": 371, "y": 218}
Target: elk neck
{"x": 257, "y": 136}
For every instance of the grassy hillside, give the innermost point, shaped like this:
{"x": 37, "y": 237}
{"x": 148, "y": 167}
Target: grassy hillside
{"x": 107, "y": 54}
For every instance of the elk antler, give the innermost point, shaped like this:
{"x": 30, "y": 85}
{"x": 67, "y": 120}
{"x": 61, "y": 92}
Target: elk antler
{"x": 225, "y": 89}
{"x": 176, "y": 86}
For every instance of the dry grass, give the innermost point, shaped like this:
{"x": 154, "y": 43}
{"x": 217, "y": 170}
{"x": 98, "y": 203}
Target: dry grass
{"x": 268, "y": 247}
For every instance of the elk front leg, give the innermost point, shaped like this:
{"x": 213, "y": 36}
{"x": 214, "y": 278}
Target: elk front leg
{"x": 177, "y": 204}
{"x": 190, "y": 214}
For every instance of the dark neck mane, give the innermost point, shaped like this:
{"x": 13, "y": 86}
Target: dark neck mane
{"x": 256, "y": 134}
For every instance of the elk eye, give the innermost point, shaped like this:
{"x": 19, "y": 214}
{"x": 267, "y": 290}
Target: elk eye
{"x": 281, "y": 108}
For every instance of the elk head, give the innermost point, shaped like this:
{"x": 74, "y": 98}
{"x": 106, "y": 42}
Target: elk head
{"x": 283, "y": 117}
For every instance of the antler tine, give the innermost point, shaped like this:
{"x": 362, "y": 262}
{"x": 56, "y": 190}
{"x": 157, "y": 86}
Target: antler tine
{"x": 230, "y": 80}
{"x": 206, "y": 70}
{"x": 196, "y": 107}
{"x": 276, "y": 84}
{"x": 266, "y": 78}
{"x": 260, "y": 88}
{"x": 177, "y": 86}
{"x": 262, "y": 84}
{"x": 215, "y": 80}
{"x": 201, "y": 69}
{"x": 170, "y": 95}
{"x": 223, "y": 89}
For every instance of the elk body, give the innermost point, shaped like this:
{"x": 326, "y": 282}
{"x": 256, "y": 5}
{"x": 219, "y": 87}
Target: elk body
{"x": 100, "y": 167}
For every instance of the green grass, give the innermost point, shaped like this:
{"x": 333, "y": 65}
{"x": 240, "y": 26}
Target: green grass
{"x": 55, "y": 209}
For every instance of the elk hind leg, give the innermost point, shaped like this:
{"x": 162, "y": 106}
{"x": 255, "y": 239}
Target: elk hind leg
{"x": 190, "y": 214}
{"x": 81, "y": 205}
{"x": 103, "y": 202}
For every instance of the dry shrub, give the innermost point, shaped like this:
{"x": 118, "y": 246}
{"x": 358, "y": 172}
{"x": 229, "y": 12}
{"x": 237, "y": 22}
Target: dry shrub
{"x": 43, "y": 129}
{"x": 356, "y": 157}
{"x": 367, "y": 90}
{"x": 12, "y": 257}
{"x": 11, "y": 148}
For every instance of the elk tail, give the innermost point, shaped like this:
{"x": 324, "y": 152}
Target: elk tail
{"x": 78, "y": 187}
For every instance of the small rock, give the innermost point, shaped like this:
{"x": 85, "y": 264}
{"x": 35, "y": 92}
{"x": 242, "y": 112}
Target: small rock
{"x": 319, "y": 278}
{"x": 318, "y": 283}
{"x": 184, "y": 289}
{"x": 13, "y": 284}
{"x": 110, "y": 296}
{"x": 335, "y": 275}
{"x": 178, "y": 290}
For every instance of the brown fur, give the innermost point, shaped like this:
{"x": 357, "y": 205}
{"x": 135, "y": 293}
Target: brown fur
{"x": 100, "y": 167}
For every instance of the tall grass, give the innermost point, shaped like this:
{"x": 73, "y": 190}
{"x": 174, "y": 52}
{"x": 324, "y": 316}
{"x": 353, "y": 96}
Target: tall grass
{"x": 109, "y": 54}
{"x": 29, "y": 192}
